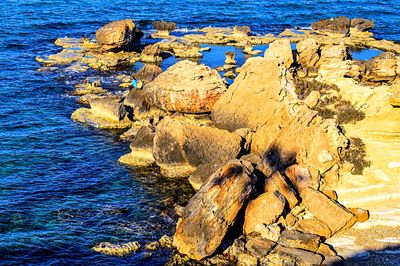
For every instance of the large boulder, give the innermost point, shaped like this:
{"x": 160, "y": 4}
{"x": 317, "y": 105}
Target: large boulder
{"x": 255, "y": 96}
{"x": 282, "y": 50}
{"x": 118, "y": 34}
{"x": 147, "y": 73}
{"x": 336, "y": 26}
{"x": 213, "y": 210}
{"x": 186, "y": 87}
{"x": 181, "y": 144}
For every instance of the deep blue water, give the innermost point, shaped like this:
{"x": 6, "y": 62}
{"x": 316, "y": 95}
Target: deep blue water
{"x": 61, "y": 190}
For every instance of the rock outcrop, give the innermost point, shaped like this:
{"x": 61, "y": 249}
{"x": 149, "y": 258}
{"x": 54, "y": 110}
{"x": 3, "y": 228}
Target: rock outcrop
{"x": 181, "y": 144}
{"x": 213, "y": 210}
{"x": 105, "y": 112}
{"x": 337, "y": 26}
{"x": 186, "y": 87}
{"x": 118, "y": 34}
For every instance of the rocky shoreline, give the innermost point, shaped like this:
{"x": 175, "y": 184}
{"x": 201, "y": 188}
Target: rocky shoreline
{"x": 272, "y": 154}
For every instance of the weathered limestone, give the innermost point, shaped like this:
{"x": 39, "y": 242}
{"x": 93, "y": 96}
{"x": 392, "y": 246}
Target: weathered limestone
{"x": 164, "y": 27}
{"x": 151, "y": 54}
{"x": 118, "y": 34}
{"x": 180, "y": 145}
{"x": 186, "y": 87}
{"x": 213, "y": 210}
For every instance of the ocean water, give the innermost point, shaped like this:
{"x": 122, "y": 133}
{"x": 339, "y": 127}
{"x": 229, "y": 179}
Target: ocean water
{"x": 61, "y": 190}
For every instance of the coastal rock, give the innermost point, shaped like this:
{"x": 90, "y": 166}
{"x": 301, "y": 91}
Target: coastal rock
{"x": 382, "y": 68}
{"x": 296, "y": 239}
{"x": 281, "y": 50}
{"x": 213, "y": 210}
{"x": 151, "y": 54}
{"x": 141, "y": 149}
{"x": 164, "y": 27}
{"x": 259, "y": 247}
{"x": 117, "y": 249}
{"x": 241, "y": 31}
{"x": 277, "y": 182}
{"x": 180, "y": 145}
{"x": 256, "y": 212}
{"x": 308, "y": 52}
{"x": 147, "y": 73}
{"x": 118, "y": 34}
{"x": 328, "y": 211}
{"x": 362, "y": 24}
{"x": 291, "y": 256}
{"x": 261, "y": 82}
{"x": 313, "y": 226}
{"x": 105, "y": 112}
{"x": 186, "y": 87}
{"x": 201, "y": 174}
{"x": 230, "y": 58}
{"x": 337, "y": 26}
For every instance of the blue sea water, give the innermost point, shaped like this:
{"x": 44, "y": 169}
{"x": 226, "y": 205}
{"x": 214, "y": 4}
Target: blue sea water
{"x": 61, "y": 190}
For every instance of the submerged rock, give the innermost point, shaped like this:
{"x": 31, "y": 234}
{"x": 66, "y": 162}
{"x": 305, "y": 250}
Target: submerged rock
{"x": 213, "y": 210}
{"x": 118, "y": 34}
{"x": 117, "y": 249}
{"x": 186, "y": 87}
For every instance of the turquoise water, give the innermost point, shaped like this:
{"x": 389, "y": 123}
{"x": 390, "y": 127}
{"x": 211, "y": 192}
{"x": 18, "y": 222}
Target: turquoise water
{"x": 61, "y": 190}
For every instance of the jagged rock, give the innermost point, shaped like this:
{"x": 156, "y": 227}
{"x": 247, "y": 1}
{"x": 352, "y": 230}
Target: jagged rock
{"x": 230, "y": 75}
{"x": 296, "y": 239}
{"x": 256, "y": 213}
{"x": 201, "y": 174}
{"x": 117, "y": 249}
{"x": 334, "y": 215}
{"x": 186, "y": 87}
{"x": 141, "y": 149}
{"x": 151, "y": 54}
{"x": 281, "y": 50}
{"x": 147, "y": 73}
{"x": 339, "y": 25}
{"x": 89, "y": 86}
{"x": 362, "y": 24}
{"x": 259, "y": 247}
{"x": 290, "y": 256}
{"x": 164, "y": 27}
{"x": 166, "y": 241}
{"x": 180, "y": 145}
{"x": 308, "y": 53}
{"x": 326, "y": 250}
{"x": 118, "y": 34}
{"x": 333, "y": 53}
{"x": 263, "y": 84}
{"x": 276, "y": 181}
{"x": 213, "y": 209}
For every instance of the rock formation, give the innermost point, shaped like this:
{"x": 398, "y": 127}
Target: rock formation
{"x": 118, "y": 34}
{"x": 186, "y": 87}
